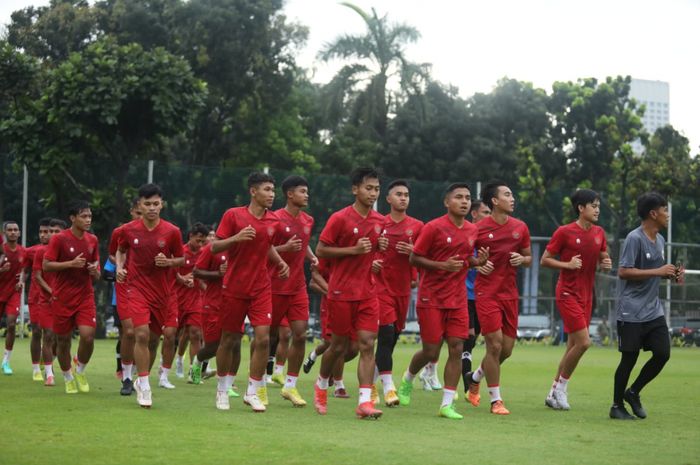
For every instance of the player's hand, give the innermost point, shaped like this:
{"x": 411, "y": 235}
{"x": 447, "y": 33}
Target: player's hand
{"x": 314, "y": 261}
{"x": 363, "y": 246}
{"x": 121, "y": 275}
{"x": 667, "y": 271}
{"x": 78, "y": 262}
{"x": 377, "y": 266}
{"x": 161, "y": 260}
{"x": 453, "y": 264}
{"x": 482, "y": 255}
{"x": 516, "y": 259}
{"x": 383, "y": 242}
{"x": 293, "y": 244}
{"x": 222, "y": 268}
{"x": 680, "y": 274}
{"x": 414, "y": 284}
{"x": 5, "y": 266}
{"x": 19, "y": 286}
{"x": 405, "y": 248}
{"x": 189, "y": 280}
{"x": 283, "y": 269}
{"x": 486, "y": 269}
{"x": 606, "y": 264}
{"x": 575, "y": 263}
{"x": 245, "y": 234}
{"x": 94, "y": 269}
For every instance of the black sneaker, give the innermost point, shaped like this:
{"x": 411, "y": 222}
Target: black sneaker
{"x": 308, "y": 363}
{"x": 636, "y": 404}
{"x": 127, "y": 387}
{"x": 619, "y": 412}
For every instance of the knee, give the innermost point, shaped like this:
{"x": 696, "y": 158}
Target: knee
{"x": 88, "y": 338}
{"x": 11, "y": 325}
{"x": 662, "y": 355}
{"x": 495, "y": 348}
{"x": 128, "y": 334}
{"x": 585, "y": 344}
{"x": 431, "y": 351}
{"x": 299, "y": 339}
{"x": 142, "y": 337}
{"x": 262, "y": 341}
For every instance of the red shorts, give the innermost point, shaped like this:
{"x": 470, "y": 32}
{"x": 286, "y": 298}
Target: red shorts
{"x": 122, "y": 301}
{"x": 293, "y": 307}
{"x": 437, "y": 324}
{"x": 347, "y": 317}
{"x": 11, "y": 306}
{"x": 42, "y": 311}
{"x": 393, "y": 310}
{"x": 234, "y": 310}
{"x": 34, "y": 313}
{"x": 497, "y": 315}
{"x": 325, "y": 329}
{"x": 575, "y": 314}
{"x": 211, "y": 324}
{"x": 156, "y": 315}
{"x": 66, "y": 319}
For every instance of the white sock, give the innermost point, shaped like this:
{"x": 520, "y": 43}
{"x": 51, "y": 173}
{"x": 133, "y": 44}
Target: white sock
{"x": 322, "y": 382}
{"x": 408, "y": 376}
{"x": 313, "y": 355}
{"x": 229, "y": 381}
{"x": 365, "y": 395}
{"x": 254, "y": 385}
{"x": 554, "y": 386}
{"x": 478, "y": 375}
{"x": 36, "y": 368}
{"x": 80, "y": 369}
{"x": 290, "y": 382}
{"x": 68, "y": 375}
{"x": 221, "y": 383}
{"x": 127, "y": 369}
{"x": 179, "y": 360}
{"x": 6, "y": 357}
{"x": 196, "y": 361}
{"x": 433, "y": 368}
{"x": 164, "y": 373}
{"x": 48, "y": 369}
{"x": 495, "y": 393}
{"x": 376, "y": 375}
{"x": 448, "y": 397}
{"x": 387, "y": 382}
{"x": 563, "y": 383}
{"x": 279, "y": 369}
{"x": 144, "y": 383}
{"x": 338, "y": 384}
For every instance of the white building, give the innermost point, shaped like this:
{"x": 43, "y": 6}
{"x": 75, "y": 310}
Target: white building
{"x": 655, "y": 96}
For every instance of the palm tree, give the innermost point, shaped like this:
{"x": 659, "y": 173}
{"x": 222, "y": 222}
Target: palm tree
{"x": 381, "y": 58}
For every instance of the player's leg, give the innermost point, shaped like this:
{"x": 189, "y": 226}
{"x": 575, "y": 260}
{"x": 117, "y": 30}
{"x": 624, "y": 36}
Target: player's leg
{"x": 128, "y": 341}
{"x": 469, "y": 344}
{"x": 386, "y": 339}
{"x": 168, "y": 354}
{"x": 256, "y": 393}
{"x": 86, "y": 346}
{"x": 48, "y": 341}
{"x": 658, "y": 342}
{"x": 63, "y": 345}
{"x": 224, "y": 359}
{"x": 336, "y": 351}
{"x": 629, "y": 344}
{"x": 35, "y": 347}
{"x": 195, "y": 337}
{"x": 431, "y": 338}
{"x": 11, "y": 325}
{"x": 281, "y": 352}
{"x": 295, "y": 357}
{"x": 182, "y": 338}
{"x": 453, "y": 365}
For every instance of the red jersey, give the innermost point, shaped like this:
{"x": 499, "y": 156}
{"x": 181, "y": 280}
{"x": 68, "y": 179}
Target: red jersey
{"x": 397, "y": 273}
{"x": 188, "y": 297}
{"x": 72, "y": 286}
{"x": 9, "y": 279}
{"x": 208, "y": 261}
{"x": 324, "y": 269}
{"x": 247, "y": 275}
{"x": 33, "y": 297}
{"x": 43, "y": 297}
{"x": 351, "y": 276}
{"x": 289, "y": 226}
{"x": 141, "y": 246}
{"x": 570, "y": 240}
{"x": 439, "y": 240}
{"x": 513, "y": 236}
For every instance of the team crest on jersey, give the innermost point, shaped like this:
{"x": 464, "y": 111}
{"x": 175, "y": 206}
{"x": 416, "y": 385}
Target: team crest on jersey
{"x": 307, "y": 230}
{"x": 270, "y": 231}
{"x": 72, "y": 250}
{"x": 378, "y": 229}
{"x": 409, "y": 232}
{"x": 516, "y": 235}
{"x": 471, "y": 242}
{"x": 161, "y": 243}
{"x": 91, "y": 250}
{"x": 598, "y": 240}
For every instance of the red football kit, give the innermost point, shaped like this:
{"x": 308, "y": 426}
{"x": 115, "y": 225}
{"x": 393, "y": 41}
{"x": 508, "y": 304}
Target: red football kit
{"x": 324, "y": 269}
{"x": 352, "y": 299}
{"x": 211, "y": 300}
{"x": 394, "y": 280}
{"x": 289, "y": 296}
{"x": 43, "y": 304}
{"x": 189, "y": 298}
{"x": 246, "y": 288}
{"x": 73, "y": 299}
{"x": 497, "y": 294}
{"x": 574, "y": 294}
{"x": 33, "y": 296}
{"x": 9, "y": 295}
{"x": 442, "y": 295}
{"x": 150, "y": 289}
{"x": 120, "y": 289}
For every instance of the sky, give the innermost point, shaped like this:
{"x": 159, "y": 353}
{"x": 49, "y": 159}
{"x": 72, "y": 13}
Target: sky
{"x": 472, "y": 44}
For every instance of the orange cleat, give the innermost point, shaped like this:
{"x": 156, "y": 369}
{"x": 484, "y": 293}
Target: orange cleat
{"x": 473, "y": 396}
{"x": 367, "y": 410}
{"x": 320, "y": 400}
{"x": 497, "y": 408}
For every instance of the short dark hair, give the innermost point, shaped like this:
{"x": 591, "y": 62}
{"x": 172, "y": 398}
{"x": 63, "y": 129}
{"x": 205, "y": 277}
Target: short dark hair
{"x": 76, "y": 206}
{"x": 134, "y": 203}
{"x": 292, "y": 182}
{"x": 649, "y": 201}
{"x": 456, "y": 185}
{"x": 45, "y": 222}
{"x": 360, "y": 174}
{"x": 5, "y": 224}
{"x": 58, "y": 222}
{"x": 490, "y": 191}
{"x": 258, "y": 177}
{"x": 398, "y": 182}
{"x": 199, "y": 228}
{"x": 583, "y": 197}
{"x": 146, "y": 191}
{"x": 476, "y": 204}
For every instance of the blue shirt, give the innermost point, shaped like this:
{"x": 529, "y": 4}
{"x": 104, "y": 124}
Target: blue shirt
{"x": 111, "y": 267}
{"x": 471, "y": 277}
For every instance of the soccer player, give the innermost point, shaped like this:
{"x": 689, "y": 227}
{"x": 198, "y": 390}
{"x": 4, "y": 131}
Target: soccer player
{"x": 246, "y": 233}
{"x": 154, "y": 249}
{"x": 394, "y": 277}
{"x": 33, "y": 300}
{"x": 45, "y": 283}
{"x": 351, "y": 238}
{"x": 189, "y": 294}
{"x": 641, "y": 323}
{"x": 289, "y": 297}
{"x": 478, "y": 212}
{"x": 444, "y": 251}
{"x": 580, "y": 247}
{"x": 11, "y": 285}
{"x": 508, "y": 241}
{"x": 73, "y": 255}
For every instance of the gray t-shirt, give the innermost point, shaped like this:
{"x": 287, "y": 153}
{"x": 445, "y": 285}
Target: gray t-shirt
{"x": 638, "y": 301}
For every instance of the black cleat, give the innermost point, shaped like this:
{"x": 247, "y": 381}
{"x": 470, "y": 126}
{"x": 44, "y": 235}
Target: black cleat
{"x": 127, "y": 387}
{"x": 619, "y": 412}
{"x": 636, "y": 404}
{"x": 308, "y": 363}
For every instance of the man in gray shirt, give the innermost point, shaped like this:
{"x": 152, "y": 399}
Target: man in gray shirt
{"x": 640, "y": 317}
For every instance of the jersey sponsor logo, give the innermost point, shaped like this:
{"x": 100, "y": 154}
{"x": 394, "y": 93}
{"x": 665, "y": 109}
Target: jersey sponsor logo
{"x": 516, "y": 235}
{"x": 187, "y": 262}
{"x": 161, "y": 243}
{"x": 578, "y": 241}
{"x": 378, "y": 229}
{"x": 223, "y": 258}
{"x": 490, "y": 236}
{"x": 271, "y": 231}
{"x": 287, "y": 229}
{"x": 449, "y": 240}
{"x": 307, "y": 230}
{"x": 73, "y": 250}
{"x": 355, "y": 231}
{"x": 136, "y": 241}
{"x": 648, "y": 255}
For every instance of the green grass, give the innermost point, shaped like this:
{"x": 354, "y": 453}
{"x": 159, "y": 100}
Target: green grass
{"x": 42, "y": 425}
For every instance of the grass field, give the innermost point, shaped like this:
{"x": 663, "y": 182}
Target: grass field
{"x": 45, "y": 426}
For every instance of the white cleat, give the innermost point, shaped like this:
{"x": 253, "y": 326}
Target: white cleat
{"x": 165, "y": 384}
{"x": 143, "y": 396}
{"x": 435, "y": 383}
{"x": 562, "y": 399}
{"x": 179, "y": 369}
{"x": 551, "y": 402}
{"x": 255, "y": 402}
{"x": 222, "y": 402}
{"x": 425, "y": 380}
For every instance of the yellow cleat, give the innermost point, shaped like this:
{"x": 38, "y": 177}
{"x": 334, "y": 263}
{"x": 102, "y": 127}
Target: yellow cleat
{"x": 375, "y": 395}
{"x": 262, "y": 395}
{"x": 82, "y": 382}
{"x": 278, "y": 379}
{"x": 292, "y": 395}
{"x": 391, "y": 399}
{"x": 71, "y": 387}
{"x": 36, "y": 376}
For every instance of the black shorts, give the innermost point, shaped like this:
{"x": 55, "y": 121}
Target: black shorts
{"x": 473, "y": 318}
{"x": 649, "y": 335}
{"x": 115, "y": 315}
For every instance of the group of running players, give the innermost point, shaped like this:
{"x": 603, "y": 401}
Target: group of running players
{"x": 251, "y": 269}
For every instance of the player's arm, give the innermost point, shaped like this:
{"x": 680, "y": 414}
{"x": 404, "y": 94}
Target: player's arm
{"x": 120, "y": 260}
{"x": 39, "y": 278}
{"x": 482, "y": 256}
{"x": 294, "y": 244}
{"x": 207, "y": 275}
{"x": 637, "y": 274}
{"x": 604, "y": 261}
{"x": 53, "y": 267}
{"x": 452, "y": 264}
{"x": 310, "y": 256}
{"x": 549, "y": 260}
{"x": 275, "y": 258}
{"x": 318, "y": 283}
{"x": 363, "y": 246}
{"x": 524, "y": 258}
{"x": 221, "y": 245}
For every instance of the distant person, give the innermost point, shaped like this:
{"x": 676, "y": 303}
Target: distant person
{"x": 603, "y": 332}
